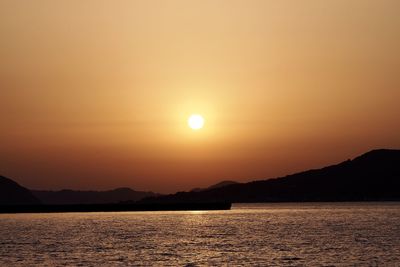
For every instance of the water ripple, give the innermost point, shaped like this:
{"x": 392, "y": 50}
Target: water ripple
{"x": 339, "y": 234}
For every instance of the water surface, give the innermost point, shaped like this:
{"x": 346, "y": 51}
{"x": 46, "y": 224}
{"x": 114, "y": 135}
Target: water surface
{"x": 317, "y": 234}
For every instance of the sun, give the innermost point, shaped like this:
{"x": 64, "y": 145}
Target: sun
{"x": 196, "y": 121}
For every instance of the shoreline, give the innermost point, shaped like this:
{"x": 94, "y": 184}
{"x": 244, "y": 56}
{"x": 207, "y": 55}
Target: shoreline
{"x": 114, "y": 207}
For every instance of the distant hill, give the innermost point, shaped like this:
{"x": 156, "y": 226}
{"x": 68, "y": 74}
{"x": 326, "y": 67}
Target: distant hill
{"x": 91, "y": 197}
{"x": 372, "y": 176}
{"x": 218, "y": 185}
{"x": 12, "y": 193}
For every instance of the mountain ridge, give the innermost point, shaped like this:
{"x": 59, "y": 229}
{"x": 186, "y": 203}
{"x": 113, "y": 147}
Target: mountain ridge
{"x": 374, "y": 175}
{"x": 12, "y": 193}
{"x": 217, "y": 185}
{"x": 68, "y": 196}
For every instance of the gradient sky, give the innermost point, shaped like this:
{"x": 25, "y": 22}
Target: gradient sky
{"x": 96, "y": 94}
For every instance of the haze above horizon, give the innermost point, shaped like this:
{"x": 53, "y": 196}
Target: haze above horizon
{"x": 97, "y": 94}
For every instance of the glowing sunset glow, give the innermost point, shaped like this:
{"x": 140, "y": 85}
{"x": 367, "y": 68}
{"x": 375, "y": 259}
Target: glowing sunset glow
{"x": 98, "y": 94}
{"x": 196, "y": 122}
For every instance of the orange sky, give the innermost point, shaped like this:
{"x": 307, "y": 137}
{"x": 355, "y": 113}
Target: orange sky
{"x": 95, "y": 94}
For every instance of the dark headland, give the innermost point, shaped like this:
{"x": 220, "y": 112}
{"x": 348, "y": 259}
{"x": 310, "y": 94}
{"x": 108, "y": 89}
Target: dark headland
{"x": 373, "y": 176}
{"x": 11, "y": 193}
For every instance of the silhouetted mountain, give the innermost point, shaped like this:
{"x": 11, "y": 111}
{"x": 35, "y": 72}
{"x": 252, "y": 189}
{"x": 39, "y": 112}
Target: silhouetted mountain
{"x": 218, "y": 185}
{"x": 221, "y": 184}
{"x": 12, "y": 193}
{"x": 372, "y": 176}
{"x": 90, "y": 197}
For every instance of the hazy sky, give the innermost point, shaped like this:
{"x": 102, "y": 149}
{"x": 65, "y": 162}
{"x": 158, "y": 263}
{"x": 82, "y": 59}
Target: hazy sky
{"x": 96, "y": 94}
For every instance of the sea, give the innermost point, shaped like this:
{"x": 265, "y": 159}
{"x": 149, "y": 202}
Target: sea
{"x": 289, "y": 234}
